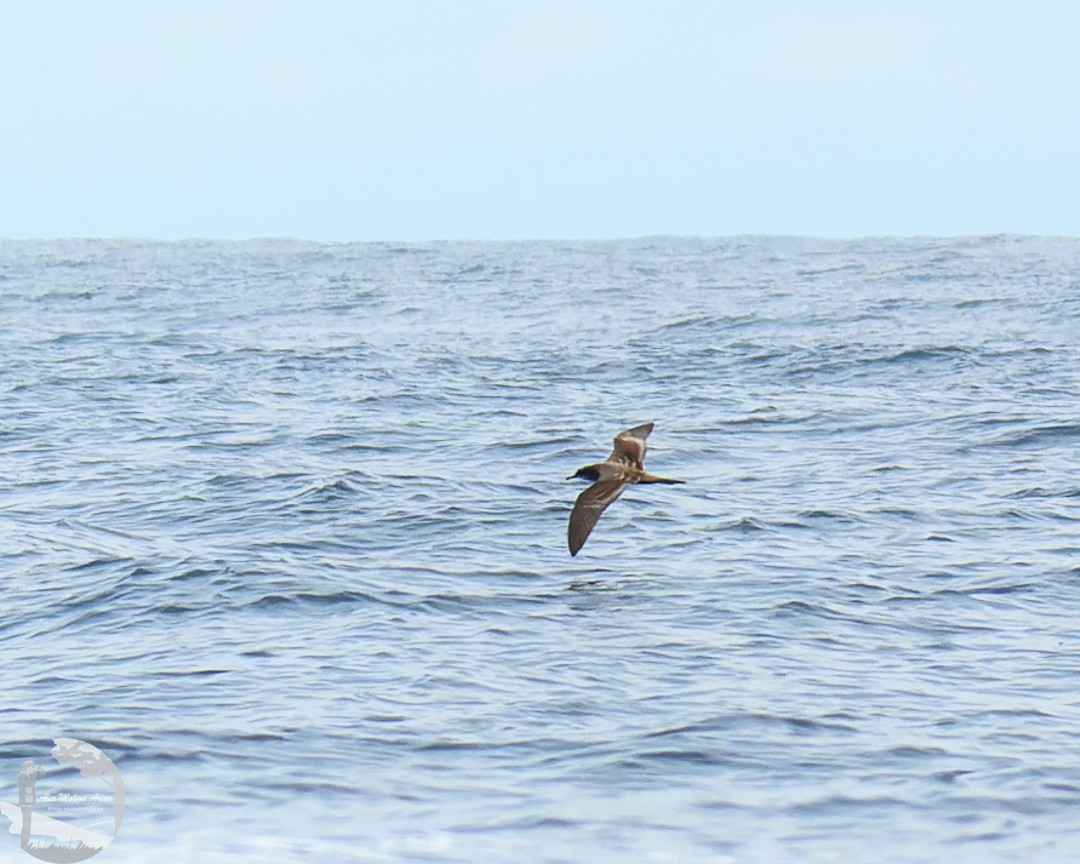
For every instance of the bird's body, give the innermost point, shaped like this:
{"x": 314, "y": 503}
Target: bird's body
{"x": 610, "y": 478}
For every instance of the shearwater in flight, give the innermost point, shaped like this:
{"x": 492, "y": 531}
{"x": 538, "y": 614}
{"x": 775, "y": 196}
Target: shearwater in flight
{"x": 610, "y": 478}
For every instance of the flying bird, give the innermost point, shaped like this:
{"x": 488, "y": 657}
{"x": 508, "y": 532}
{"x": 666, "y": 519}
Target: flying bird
{"x": 610, "y": 478}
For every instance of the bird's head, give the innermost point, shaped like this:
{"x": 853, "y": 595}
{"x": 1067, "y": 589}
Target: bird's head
{"x": 589, "y": 472}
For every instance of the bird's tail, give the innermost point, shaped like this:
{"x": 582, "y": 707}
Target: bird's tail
{"x": 652, "y": 478}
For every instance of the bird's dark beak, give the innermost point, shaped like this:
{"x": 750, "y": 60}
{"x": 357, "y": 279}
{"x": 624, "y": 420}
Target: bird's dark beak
{"x": 571, "y": 477}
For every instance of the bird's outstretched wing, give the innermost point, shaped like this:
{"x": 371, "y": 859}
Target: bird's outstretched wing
{"x": 630, "y": 446}
{"x": 587, "y": 509}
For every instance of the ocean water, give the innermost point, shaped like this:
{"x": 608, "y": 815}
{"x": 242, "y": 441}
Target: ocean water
{"x": 283, "y": 532}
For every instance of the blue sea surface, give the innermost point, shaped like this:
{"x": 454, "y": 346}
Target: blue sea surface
{"x": 283, "y": 532}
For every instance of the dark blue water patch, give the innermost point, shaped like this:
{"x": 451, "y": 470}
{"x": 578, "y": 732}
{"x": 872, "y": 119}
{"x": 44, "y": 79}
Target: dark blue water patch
{"x": 328, "y": 492}
{"x": 846, "y": 269}
{"x": 97, "y": 563}
{"x": 310, "y": 599}
{"x": 190, "y": 673}
{"x": 865, "y": 361}
{"x": 976, "y": 303}
{"x": 745, "y": 525}
{"x": 1019, "y": 587}
{"x": 829, "y": 516}
{"x": 705, "y": 323}
{"x": 691, "y": 757}
{"x": 756, "y": 723}
{"x": 899, "y": 512}
{"x": 856, "y": 808}
{"x": 1042, "y": 492}
{"x": 922, "y": 354}
{"x": 1041, "y": 436}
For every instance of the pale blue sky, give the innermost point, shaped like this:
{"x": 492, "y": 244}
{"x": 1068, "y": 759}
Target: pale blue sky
{"x": 418, "y": 119}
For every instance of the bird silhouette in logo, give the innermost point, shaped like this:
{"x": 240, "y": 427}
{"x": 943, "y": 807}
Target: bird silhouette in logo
{"x": 610, "y": 479}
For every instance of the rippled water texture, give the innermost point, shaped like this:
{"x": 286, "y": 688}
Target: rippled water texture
{"x": 283, "y": 531}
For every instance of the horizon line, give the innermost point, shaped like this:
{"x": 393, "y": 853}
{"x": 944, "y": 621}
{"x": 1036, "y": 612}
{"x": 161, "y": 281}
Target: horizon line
{"x": 755, "y": 235}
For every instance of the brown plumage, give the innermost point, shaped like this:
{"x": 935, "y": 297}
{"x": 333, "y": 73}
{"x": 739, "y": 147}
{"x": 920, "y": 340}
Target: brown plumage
{"x": 611, "y": 477}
